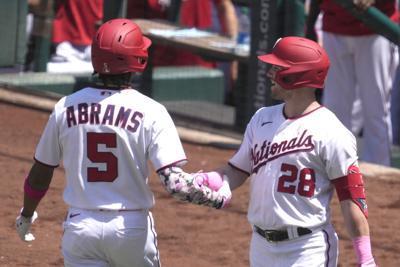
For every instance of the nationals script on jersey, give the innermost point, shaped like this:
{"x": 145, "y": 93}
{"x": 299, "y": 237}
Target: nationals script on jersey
{"x": 292, "y": 162}
{"x": 106, "y": 137}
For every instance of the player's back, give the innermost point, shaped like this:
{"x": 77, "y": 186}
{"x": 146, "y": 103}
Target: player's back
{"x": 105, "y": 139}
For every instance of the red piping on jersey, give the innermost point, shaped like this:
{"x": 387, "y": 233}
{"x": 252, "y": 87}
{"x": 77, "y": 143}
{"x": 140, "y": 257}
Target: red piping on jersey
{"x": 239, "y": 169}
{"x": 172, "y": 164}
{"x": 47, "y": 165}
{"x": 298, "y": 117}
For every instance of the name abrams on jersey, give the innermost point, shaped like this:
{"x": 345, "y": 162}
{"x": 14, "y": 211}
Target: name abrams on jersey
{"x": 270, "y": 151}
{"x": 96, "y": 113}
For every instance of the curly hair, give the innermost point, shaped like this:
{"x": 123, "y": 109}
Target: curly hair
{"x": 122, "y": 80}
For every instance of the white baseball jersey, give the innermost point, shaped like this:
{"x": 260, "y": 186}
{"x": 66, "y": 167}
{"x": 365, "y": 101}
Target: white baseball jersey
{"x": 105, "y": 138}
{"x": 292, "y": 162}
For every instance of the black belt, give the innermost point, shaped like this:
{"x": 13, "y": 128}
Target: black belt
{"x": 279, "y": 235}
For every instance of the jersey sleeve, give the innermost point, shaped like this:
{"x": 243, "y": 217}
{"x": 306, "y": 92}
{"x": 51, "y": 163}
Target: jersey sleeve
{"x": 48, "y": 150}
{"x": 242, "y": 158}
{"x": 340, "y": 153}
{"x": 165, "y": 147}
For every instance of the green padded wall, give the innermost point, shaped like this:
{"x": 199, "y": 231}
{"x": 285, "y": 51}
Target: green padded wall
{"x": 13, "y": 32}
{"x": 188, "y": 83}
{"x": 61, "y": 84}
{"x": 169, "y": 83}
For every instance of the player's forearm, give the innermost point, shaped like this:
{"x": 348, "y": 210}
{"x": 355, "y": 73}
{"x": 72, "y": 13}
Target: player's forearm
{"x": 227, "y": 16}
{"x": 235, "y": 177}
{"x": 355, "y": 220}
{"x": 358, "y": 229}
{"x": 35, "y": 187}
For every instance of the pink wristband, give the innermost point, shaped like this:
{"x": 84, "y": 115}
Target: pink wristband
{"x": 362, "y": 247}
{"x": 32, "y": 192}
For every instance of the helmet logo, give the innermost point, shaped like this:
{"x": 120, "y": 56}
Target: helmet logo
{"x": 106, "y": 68}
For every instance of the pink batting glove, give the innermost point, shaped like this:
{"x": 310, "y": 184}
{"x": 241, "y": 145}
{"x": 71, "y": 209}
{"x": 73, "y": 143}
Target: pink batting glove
{"x": 212, "y": 180}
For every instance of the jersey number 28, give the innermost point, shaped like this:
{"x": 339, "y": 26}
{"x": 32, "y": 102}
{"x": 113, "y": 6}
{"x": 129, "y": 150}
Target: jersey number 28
{"x": 303, "y": 180}
{"x": 96, "y": 156}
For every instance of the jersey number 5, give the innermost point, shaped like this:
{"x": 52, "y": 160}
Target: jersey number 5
{"x": 306, "y": 180}
{"x": 96, "y": 156}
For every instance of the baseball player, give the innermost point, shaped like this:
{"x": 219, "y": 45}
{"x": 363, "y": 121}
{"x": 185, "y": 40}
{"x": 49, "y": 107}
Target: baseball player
{"x": 363, "y": 67}
{"x": 295, "y": 154}
{"x": 105, "y": 135}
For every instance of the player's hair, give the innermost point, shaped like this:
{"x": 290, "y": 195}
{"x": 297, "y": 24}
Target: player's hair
{"x": 123, "y": 80}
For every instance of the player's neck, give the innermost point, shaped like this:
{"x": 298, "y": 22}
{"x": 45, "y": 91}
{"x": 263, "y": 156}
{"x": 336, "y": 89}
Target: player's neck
{"x": 292, "y": 109}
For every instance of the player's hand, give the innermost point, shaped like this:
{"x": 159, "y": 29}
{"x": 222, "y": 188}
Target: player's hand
{"x": 23, "y": 225}
{"x": 206, "y": 196}
{"x": 212, "y": 180}
{"x": 225, "y": 192}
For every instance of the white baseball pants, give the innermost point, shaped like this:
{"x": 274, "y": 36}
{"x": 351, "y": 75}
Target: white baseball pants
{"x": 318, "y": 249}
{"x": 369, "y": 63}
{"x": 109, "y": 238}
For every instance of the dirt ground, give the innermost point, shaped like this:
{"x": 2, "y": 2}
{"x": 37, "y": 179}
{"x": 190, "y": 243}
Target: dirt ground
{"x": 188, "y": 235}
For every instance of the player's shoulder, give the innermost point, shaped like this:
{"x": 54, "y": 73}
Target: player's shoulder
{"x": 269, "y": 111}
{"x": 144, "y": 102}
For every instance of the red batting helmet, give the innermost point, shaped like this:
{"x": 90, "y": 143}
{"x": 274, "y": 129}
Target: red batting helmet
{"x": 119, "y": 47}
{"x": 304, "y": 63}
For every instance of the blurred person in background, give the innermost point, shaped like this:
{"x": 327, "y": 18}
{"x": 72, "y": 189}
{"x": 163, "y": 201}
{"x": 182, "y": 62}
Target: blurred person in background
{"x": 362, "y": 62}
{"x": 395, "y": 109}
{"x": 192, "y": 13}
{"x": 199, "y": 14}
{"x": 38, "y": 25}
{"x": 210, "y": 15}
{"x": 74, "y": 25}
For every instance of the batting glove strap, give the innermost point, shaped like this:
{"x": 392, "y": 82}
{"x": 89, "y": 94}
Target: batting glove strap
{"x": 23, "y": 225}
